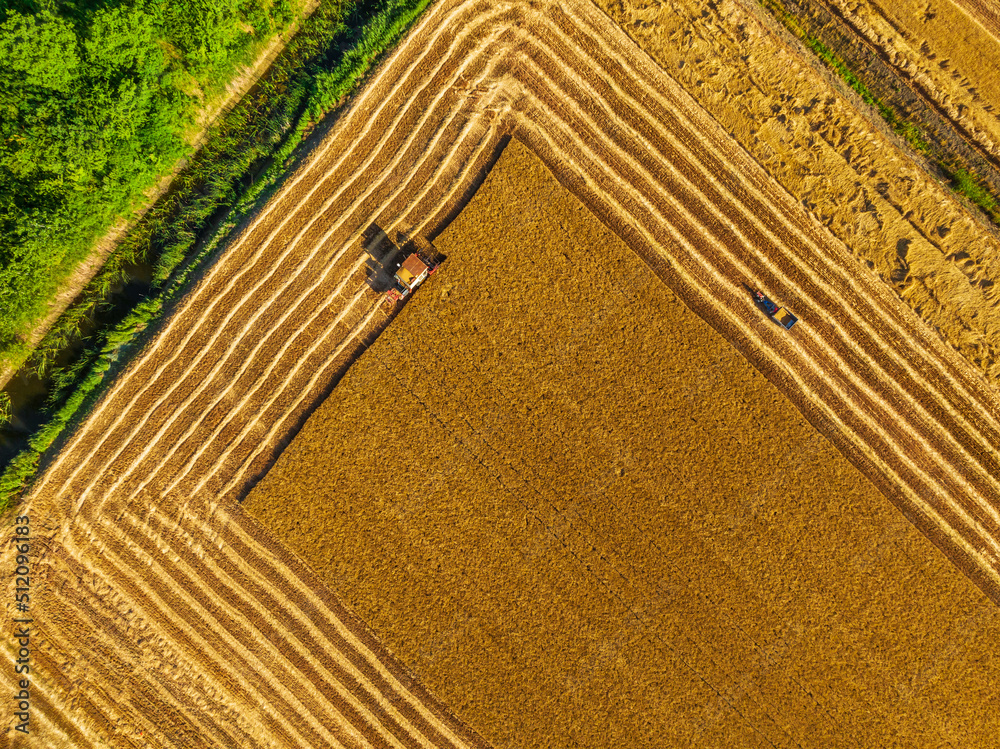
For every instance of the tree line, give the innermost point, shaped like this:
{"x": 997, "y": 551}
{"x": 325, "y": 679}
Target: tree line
{"x": 95, "y": 101}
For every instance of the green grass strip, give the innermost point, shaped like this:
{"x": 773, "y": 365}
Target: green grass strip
{"x": 962, "y": 180}
{"x": 910, "y": 132}
{"x": 971, "y": 186}
{"x": 83, "y": 384}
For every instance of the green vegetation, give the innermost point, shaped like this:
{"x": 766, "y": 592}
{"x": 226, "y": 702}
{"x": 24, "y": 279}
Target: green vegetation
{"x": 969, "y": 185}
{"x": 245, "y": 157}
{"x": 963, "y": 181}
{"x": 913, "y": 135}
{"x": 95, "y": 102}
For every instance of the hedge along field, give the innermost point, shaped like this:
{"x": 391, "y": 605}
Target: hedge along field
{"x": 96, "y": 103}
{"x": 244, "y": 157}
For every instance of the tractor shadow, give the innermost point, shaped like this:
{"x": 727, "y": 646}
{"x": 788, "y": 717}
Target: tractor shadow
{"x": 752, "y": 293}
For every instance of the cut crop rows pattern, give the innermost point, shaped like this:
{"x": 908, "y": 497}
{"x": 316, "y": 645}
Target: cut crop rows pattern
{"x": 203, "y": 631}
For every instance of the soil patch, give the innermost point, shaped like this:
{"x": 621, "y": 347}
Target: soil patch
{"x": 583, "y": 519}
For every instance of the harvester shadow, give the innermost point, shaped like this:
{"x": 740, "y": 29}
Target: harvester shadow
{"x": 753, "y": 295}
{"x": 384, "y": 258}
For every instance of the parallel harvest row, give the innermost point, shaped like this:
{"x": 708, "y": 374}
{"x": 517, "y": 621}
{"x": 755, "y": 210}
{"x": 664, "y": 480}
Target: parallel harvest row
{"x": 206, "y": 632}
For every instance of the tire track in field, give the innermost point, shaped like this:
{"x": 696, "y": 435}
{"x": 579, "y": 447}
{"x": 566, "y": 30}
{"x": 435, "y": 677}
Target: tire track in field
{"x": 983, "y": 12}
{"x": 141, "y": 497}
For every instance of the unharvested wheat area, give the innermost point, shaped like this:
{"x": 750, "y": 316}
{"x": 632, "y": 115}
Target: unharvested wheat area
{"x": 583, "y": 519}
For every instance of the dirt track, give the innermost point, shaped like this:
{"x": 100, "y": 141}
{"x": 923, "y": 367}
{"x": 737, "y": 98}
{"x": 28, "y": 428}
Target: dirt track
{"x": 204, "y": 631}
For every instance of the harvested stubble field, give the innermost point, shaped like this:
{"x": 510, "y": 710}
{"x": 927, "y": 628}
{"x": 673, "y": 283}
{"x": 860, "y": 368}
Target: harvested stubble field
{"x": 941, "y": 52}
{"x": 166, "y": 616}
{"x": 584, "y": 519}
{"x": 845, "y": 169}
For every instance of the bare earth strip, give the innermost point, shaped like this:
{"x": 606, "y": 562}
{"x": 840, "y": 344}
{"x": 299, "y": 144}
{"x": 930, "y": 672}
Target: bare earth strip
{"x": 161, "y": 610}
{"x": 941, "y": 55}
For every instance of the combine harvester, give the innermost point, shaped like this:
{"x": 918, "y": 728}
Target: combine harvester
{"x": 780, "y": 315}
{"x": 398, "y": 271}
{"x": 411, "y": 273}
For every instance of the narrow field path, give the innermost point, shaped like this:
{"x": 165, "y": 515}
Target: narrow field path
{"x": 162, "y": 610}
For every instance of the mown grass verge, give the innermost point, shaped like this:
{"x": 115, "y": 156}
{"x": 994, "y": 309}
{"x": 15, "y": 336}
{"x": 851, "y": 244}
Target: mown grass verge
{"x": 243, "y": 160}
{"x": 962, "y": 180}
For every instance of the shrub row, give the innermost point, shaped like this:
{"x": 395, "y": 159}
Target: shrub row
{"x": 244, "y": 159}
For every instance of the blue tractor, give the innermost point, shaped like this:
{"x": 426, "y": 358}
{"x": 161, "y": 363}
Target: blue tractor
{"x": 780, "y": 315}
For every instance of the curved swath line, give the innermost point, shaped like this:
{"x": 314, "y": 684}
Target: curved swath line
{"x": 250, "y": 358}
{"x": 218, "y": 629}
{"x": 953, "y": 377}
{"x": 177, "y": 701}
{"x": 710, "y": 269}
{"x": 346, "y": 633}
{"x": 650, "y": 117}
{"x": 200, "y": 594}
{"x": 64, "y": 722}
{"x": 260, "y": 252}
{"x": 594, "y": 126}
{"x": 653, "y": 187}
{"x": 83, "y": 611}
{"x": 645, "y": 199}
{"x": 262, "y": 309}
{"x": 250, "y": 326}
{"x": 239, "y": 476}
{"x": 263, "y": 379}
{"x": 196, "y": 585}
{"x": 794, "y": 228}
{"x": 186, "y": 639}
{"x": 767, "y": 351}
{"x": 458, "y": 184}
{"x": 124, "y": 582}
{"x": 141, "y": 529}
{"x": 234, "y": 342}
{"x": 305, "y": 393}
